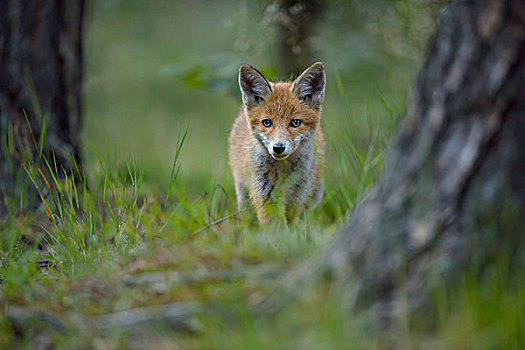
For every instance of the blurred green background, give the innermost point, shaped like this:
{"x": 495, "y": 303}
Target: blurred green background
{"x": 154, "y": 67}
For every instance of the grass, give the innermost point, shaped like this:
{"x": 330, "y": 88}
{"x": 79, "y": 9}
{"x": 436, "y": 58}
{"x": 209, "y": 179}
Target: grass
{"x": 118, "y": 246}
{"x": 85, "y": 254}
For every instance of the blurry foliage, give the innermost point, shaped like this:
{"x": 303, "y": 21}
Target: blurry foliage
{"x": 350, "y": 31}
{"x": 214, "y": 73}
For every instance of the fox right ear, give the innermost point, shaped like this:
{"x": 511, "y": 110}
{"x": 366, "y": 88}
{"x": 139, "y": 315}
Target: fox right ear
{"x": 255, "y": 88}
{"x": 310, "y": 85}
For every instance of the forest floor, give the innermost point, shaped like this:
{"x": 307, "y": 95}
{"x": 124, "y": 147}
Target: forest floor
{"x": 117, "y": 266}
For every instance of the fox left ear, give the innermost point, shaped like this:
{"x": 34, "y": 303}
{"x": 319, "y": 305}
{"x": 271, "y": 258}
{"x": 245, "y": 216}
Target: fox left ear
{"x": 255, "y": 88}
{"x": 309, "y": 86}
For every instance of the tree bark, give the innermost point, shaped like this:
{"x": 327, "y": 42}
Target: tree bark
{"x": 453, "y": 190}
{"x": 41, "y": 74}
{"x": 295, "y": 21}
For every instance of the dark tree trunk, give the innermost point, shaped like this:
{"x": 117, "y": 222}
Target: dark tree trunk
{"x": 296, "y": 20}
{"x": 41, "y": 74}
{"x": 453, "y": 190}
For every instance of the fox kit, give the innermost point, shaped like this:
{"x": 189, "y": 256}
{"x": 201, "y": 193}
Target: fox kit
{"x": 276, "y": 140}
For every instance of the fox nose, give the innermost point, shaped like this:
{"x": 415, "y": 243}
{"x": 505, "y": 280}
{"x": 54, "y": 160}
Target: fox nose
{"x": 278, "y": 148}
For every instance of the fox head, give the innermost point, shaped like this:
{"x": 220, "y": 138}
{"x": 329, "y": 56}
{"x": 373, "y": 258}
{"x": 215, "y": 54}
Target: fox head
{"x": 283, "y": 115}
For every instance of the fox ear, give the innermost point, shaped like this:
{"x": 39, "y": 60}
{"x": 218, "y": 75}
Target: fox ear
{"x": 255, "y": 88}
{"x": 309, "y": 86}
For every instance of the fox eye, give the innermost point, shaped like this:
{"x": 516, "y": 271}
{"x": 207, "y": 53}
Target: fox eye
{"x": 267, "y": 123}
{"x": 295, "y": 123}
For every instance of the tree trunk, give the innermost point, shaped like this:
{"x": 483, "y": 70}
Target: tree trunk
{"x": 41, "y": 75}
{"x": 295, "y": 21}
{"x": 453, "y": 190}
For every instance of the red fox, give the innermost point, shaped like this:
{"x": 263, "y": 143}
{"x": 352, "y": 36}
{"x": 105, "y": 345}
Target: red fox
{"x": 276, "y": 140}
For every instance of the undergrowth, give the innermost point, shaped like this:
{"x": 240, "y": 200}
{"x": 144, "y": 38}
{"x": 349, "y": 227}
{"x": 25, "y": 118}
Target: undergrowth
{"x": 90, "y": 251}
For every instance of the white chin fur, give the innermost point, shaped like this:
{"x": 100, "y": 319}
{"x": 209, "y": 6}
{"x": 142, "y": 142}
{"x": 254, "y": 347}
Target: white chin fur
{"x": 279, "y": 156}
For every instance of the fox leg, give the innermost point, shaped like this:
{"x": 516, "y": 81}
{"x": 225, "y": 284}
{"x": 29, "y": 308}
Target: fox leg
{"x": 262, "y": 214}
{"x": 261, "y": 207}
{"x": 295, "y": 205}
{"x": 317, "y": 196}
{"x": 241, "y": 194}
{"x": 295, "y": 198}
{"x": 293, "y": 210}
{"x": 260, "y": 191}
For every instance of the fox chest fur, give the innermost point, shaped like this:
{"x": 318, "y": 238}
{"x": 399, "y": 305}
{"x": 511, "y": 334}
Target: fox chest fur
{"x": 276, "y": 141}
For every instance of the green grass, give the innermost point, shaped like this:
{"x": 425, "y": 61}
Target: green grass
{"x": 118, "y": 247}
{"x": 73, "y": 259}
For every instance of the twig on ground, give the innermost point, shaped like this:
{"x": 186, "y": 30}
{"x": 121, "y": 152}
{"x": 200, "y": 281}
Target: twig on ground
{"x": 26, "y": 317}
{"x": 162, "y": 281}
{"x": 178, "y": 316}
{"x": 217, "y": 222}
